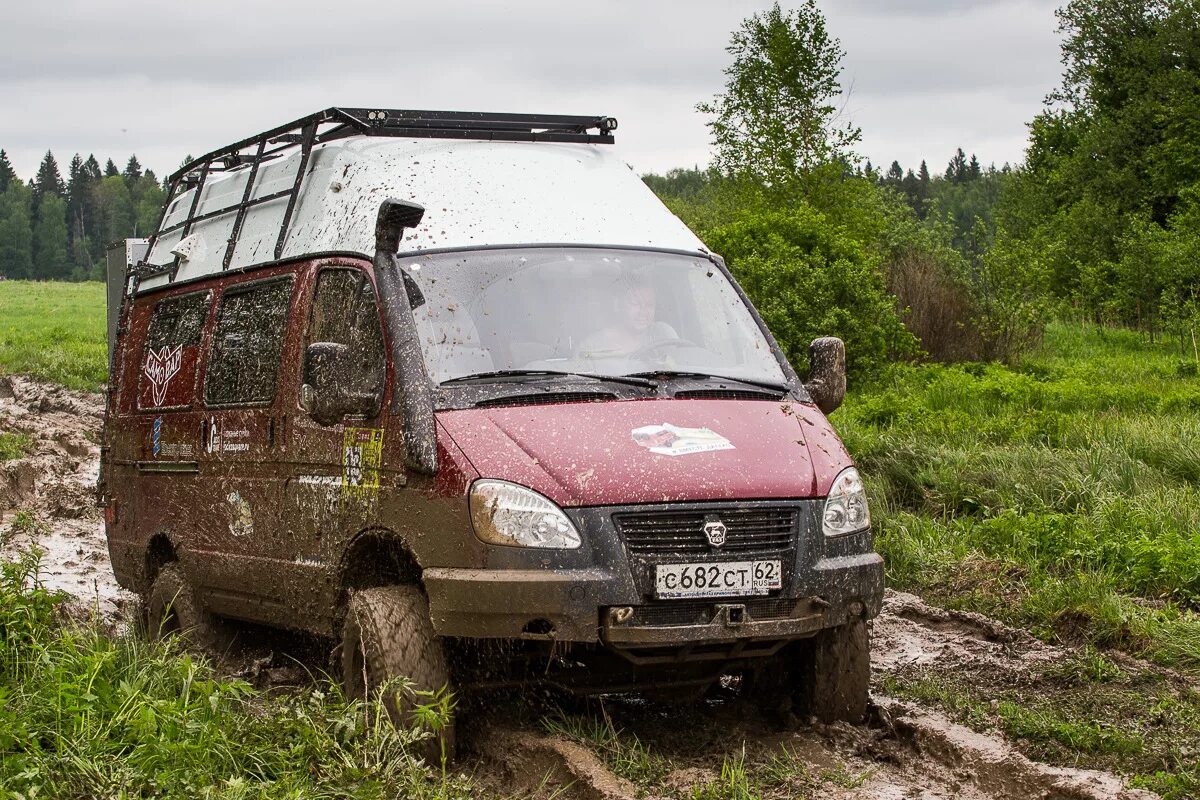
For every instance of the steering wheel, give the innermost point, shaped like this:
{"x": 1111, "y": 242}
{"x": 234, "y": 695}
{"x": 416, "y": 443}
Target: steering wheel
{"x": 662, "y": 343}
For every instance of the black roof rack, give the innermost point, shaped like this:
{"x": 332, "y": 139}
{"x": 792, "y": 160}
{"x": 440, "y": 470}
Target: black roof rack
{"x": 341, "y": 123}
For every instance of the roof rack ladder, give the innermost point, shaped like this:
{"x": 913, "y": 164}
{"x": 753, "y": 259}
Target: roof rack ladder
{"x": 241, "y": 214}
{"x": 187, "y": 226}
{"x": 310, "y": 133}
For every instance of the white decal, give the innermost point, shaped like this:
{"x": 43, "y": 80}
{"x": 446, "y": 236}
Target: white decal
{"x": 671, "y": 440}
{"x": 320, "y": 480}
{"x": 160, "y": 368}
{"x": 241, "y": 522}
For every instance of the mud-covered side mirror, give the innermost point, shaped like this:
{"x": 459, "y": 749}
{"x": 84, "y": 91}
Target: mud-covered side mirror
{"x": 826, "y": 380}
{"x": 329, "y": 394}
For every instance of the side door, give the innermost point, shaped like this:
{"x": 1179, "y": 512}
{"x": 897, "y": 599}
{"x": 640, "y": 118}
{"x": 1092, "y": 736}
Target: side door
{"x": 240, "y": 546}
{"x": 337, "y": 459}
{"x": 166, "y": 419}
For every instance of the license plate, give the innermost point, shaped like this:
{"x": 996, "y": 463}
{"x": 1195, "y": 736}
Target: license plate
{"x": 725, "y": 579}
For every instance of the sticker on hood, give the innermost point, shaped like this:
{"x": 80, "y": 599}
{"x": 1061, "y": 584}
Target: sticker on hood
{"x": 671, "y": 440}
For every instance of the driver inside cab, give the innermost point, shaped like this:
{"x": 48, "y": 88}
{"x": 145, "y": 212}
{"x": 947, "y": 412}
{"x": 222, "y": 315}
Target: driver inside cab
{"x": 635, "y": 327}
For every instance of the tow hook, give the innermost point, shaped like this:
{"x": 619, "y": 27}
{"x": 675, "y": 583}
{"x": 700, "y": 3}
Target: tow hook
{"x": 732, "y": 614}
{"x": 620, "y": 615}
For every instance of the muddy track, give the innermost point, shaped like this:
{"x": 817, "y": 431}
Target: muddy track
{"x": 905, "y": 751}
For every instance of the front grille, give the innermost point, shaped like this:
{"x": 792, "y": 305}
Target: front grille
{"x": 748, "y": 530}
{"x": 545, "y": 399}
{"x": 727, "y": 394}
{"x": 702, "y": 612}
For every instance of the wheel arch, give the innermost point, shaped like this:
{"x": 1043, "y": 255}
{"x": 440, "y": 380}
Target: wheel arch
{"x": 160, "y": 551}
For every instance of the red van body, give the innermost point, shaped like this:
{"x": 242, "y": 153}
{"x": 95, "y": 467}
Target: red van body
{"x": 267, "y": 457}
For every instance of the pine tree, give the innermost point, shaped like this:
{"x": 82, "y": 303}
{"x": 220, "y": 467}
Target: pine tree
{"x": 49, "y": 180}
{"x": 80, "y": 209}
{"x": 894, "y": 175}
{"x": 94, "y": 243}
{"x": 7, "y": 173}
{"x": 973, "y": 170}
{"x": 16, "y": 232}
{"x": 50, "y": 259}
{"x": 956, "y": 170}
{"x": 923, "y": 174}
{"x": 110, "y": 169}
{"x": 133, "y": 171}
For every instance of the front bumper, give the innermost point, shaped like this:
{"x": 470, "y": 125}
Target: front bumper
{"x": 571, "y": 596}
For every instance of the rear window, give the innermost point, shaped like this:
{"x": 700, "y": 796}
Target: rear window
{"x": 247, "y": 342}
{"x": 168, "y": 375}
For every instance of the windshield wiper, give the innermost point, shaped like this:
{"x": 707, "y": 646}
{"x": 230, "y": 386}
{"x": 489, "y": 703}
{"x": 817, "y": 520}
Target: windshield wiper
{"x": 629, "y": 380}
{"x": 667, "y": 373}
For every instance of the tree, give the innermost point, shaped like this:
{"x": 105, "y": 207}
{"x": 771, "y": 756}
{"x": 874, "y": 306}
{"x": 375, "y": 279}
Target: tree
{"x": 7, "y": 174}
{"x": 894, "y": 174}
{"x": 91, "y": 249}
{"x": 110, "y": 169}
{"x": 776, "y": 119}
{"x": 148, "y": 198}
{"x": 973, "y": 170}
{"x": 50, "y": 257}
{"x": 133, "y": 171}
{"x": 49, "y": 180}
{"x": 16, "y": 231}
{"x": 956, "y": 170}
{"x": 114, "y": 210}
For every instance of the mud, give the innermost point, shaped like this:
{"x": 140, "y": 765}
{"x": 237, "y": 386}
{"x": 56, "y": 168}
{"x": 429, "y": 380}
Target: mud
{"x": 47, "y": 499}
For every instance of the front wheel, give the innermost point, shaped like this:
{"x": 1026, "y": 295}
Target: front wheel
{"x": 388, "y": 635}
{"x": 832, "y": 674}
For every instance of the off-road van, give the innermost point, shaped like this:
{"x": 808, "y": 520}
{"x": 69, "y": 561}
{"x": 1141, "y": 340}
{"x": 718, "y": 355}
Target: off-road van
{"x": 459, "y": 392}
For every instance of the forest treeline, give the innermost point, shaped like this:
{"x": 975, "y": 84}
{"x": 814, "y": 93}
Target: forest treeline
{"x": 1100, "y": 223}
{"x": 56, "y": 229}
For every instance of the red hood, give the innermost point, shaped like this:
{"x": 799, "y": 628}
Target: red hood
{"x": 581, "y": 454}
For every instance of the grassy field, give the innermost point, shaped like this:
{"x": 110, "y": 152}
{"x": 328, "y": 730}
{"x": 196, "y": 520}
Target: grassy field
{"x": 54, "y": 331}
{"x": 1061, "y": 496}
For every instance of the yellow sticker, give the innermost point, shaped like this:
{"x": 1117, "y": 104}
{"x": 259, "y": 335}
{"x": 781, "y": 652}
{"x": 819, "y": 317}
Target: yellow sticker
{"x": 362, "y": 454}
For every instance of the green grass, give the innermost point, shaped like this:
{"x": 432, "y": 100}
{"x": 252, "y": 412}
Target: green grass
{"x": 54, "y": 331}
{"x": 85, "y": 715}
{"x": 14, "y": 445}
{"x": 1063, "y": 496}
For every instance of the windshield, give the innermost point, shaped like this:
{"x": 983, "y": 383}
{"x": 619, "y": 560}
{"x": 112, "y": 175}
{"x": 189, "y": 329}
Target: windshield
{"x": 601, "y": 312}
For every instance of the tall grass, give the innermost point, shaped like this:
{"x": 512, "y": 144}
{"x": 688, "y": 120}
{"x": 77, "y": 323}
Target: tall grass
{"x": 1064, "y": 496}
{"x": 54, "y": 331}
{"x": 85, "y": 715}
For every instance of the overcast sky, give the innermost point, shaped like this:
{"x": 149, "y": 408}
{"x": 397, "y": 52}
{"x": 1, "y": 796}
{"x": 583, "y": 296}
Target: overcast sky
{"x": 164, "y": 79}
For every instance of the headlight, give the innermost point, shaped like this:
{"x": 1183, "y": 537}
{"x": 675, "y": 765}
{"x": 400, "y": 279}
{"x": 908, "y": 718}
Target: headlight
{"x": 506, "y": 513}
{"x": 846, "y": 508}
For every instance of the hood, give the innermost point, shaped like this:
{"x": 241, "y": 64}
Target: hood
{"x": 653, "y": 451}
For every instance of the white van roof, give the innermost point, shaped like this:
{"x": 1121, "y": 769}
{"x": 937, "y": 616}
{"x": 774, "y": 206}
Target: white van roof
{"x": 476, "y": 193}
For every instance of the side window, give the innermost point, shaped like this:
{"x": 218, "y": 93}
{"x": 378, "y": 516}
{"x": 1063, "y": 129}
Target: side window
{"x": 344, "y": 312}
{"x": 168, "y": 375}
{"x": 247, "y": 342}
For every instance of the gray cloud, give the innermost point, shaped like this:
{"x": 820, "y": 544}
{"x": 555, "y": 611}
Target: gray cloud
{"x": 167, "y": 79}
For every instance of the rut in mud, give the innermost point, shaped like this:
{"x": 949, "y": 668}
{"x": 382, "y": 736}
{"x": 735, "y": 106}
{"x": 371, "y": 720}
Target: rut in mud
{"x": 905, "y": 750}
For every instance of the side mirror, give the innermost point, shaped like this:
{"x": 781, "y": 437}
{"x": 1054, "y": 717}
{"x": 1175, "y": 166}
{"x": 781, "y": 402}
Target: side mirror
{"x": 826, "y": 380}
{"x": 328, "y": 393}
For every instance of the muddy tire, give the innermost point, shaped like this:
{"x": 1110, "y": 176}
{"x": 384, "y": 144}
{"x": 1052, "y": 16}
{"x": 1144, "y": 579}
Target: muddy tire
{"x": 172, "y": 608}
{"x": 388, "y": 634}
{"x": 831, "y": 675}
